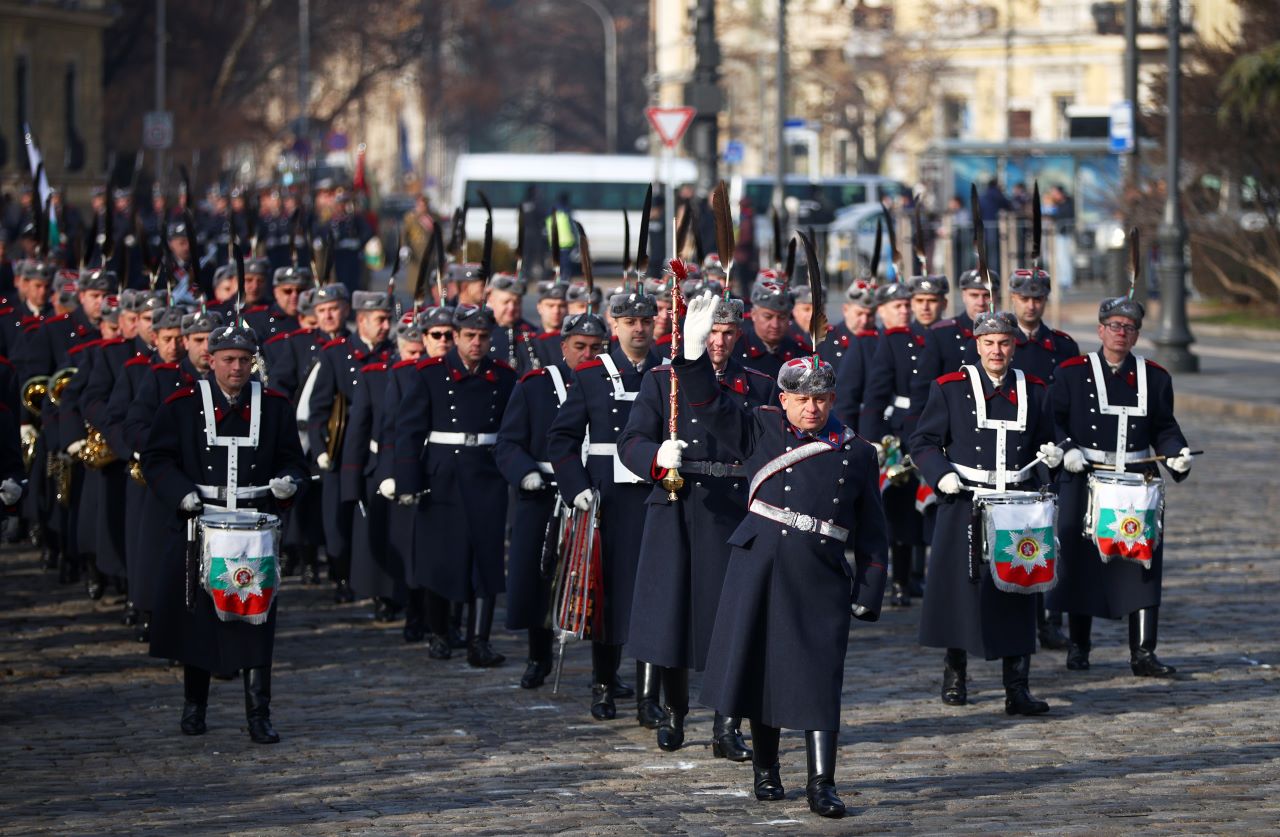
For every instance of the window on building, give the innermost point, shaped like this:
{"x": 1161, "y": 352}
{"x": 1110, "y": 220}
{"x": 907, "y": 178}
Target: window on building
{"x": 1019, "y": 124}
{"x": 73, "y": 156}
{"x": 20, "y": 89}
{"x": 955, "y": 117}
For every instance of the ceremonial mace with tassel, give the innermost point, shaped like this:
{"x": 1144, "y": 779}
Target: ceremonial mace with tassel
{"x": 672, "y": 481}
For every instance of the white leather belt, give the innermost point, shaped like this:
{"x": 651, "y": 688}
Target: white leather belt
{"x": 602, "y": 449}
{"x": 470, "y": 440}
{"x": 545, "y": 467}
{"x": 798, "y": 521}
{"x": 709, "y": 468}
{"x": 219, "y": 492}
{"x": 1108, "y": 457}
{"x": 989, "y": 477}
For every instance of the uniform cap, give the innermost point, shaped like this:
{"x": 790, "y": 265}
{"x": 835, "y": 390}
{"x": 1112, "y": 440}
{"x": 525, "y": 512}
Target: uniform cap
{"x": 258, "y": 267}
{"x": 436, "y": 315}
{"x": 111, "y": 309}
{"x": 713, "y": 267}
{"x": 97, "y": 279}
{"x": 892, "y": 292}
{"x": 1122, "y": 306}
{"x": 307, "y": 302}
{"x": 465, "y": 272}
{"x": 584, "y": 324}
{"x": 552, "y": 290}
{"x": 473, "y": 316}
{"x": 971, "y": 280}
{"x": 577, "y": 292}
{"x": 201, "y": 322}
{"x": 862, "y": 293}
{"x": 370, "y": 301}
{"x": 632, "y": 304}
{"x": 1030, "y": 283}
{"x": 151, "y": 301}
{"x": 935, "y": 284}
{"x": 772, "y": 295}
{"x": 508, "y": 282}
{"x": 293, "y": 275}
{"x": 333, "y": 292}
{"x": 168, "y": 318}
{"x": 226, "y": 337}
{"x": 728, "y": 311}
{"x": 994, "y": 322}
{"x": 33, "y": 269}
{"x": 177, "y": 229}
{"x": 408, "y": 330}
{"x": 807, "y": 375}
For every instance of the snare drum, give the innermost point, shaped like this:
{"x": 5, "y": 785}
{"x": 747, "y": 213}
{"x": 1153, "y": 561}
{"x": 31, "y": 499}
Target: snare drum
{"x": 1019, "y": 539}
{"x": 1125, "y": 515}
{"x": 238, "y": 563}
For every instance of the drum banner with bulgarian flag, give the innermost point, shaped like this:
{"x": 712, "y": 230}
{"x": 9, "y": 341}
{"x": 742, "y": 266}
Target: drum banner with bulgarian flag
{"x": 1021, "y": 546}
{"x": 1126, "y": 521}
{"x": 240, "y": 572}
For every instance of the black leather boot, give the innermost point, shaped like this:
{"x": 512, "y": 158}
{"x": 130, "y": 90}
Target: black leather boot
{"x": 604, "y": 668}
{"x": 95, "y": 583}
{"x": 899, "y": 591}
{"x": 821, "y": 787}
{"x": 955, "y": 692}
{"x": 415, "y": 615}
{"x": 649, "y": 712}
{"x": 538, "y": 665}
{"x": 457, "y": 639}
{"x": 675, "y": 689}
{"x": 764, "y": 762}
{"x": 726, "y": 739}
{"x": 919, "y": 559}
{"x": 480, "y": 653}
{"x": 1050, "y": 633}
{"x": 257, "y": 705}
{"x": 1079, "y": 629}
{"x": 195, "y": 699}
{"x": 1018, "y": 699}
{"x": 438, "y": 610}
{"x": 1142, "y": 644}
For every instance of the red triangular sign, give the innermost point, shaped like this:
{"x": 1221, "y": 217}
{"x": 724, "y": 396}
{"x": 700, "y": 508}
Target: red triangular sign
{"x": 670, "y": 123}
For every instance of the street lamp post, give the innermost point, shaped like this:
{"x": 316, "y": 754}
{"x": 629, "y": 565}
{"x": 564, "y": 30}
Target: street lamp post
{"x": 780, "y": 126}
{"x": 1173, "y": 344}
{"x": 610, "y": 73}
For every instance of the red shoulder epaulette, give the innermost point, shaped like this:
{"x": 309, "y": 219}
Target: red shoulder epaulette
{"x": 403, "y": 363}
{"x": 337, "y": 341}
{"x": 58, "y": 318}
{"x": 257, "y": 309}
{"x": 772, "y": 409}
{"x": 532, "y": 373}
{"x": 275, "y": 393}
{"x": 431, "y": 361}
{"x": 1151, "y": 362}
{"x": 1062, "y": 334}
{"x": 943, "y": 323}
{"x": 138, "y": 360}
{"x": 281, "y": 336}
{"x": 303, "y": 330}
{"x": 547, "y": 335}
{"x": 114, "y": 341}
{"x": 182, "y": 393}
{"x": 502, "y": 364}
{"x": 588, "y": 364}
{"x": 8, "y": 309}
{"x": 88, "y": 344}
{"x": 757, "y": 372}
{"x": 4, "y": 361}
{"x": 1032, "y": 379}
{"x": 898, "y": 330}
{"x": 866, "y": 332}
{"x": 951, "y": 377}
{"x": 1078, "y": 360}
{"x": 374, "y": 367}
{"x": 164, "y": 366}
{"x": 32, "y": 327}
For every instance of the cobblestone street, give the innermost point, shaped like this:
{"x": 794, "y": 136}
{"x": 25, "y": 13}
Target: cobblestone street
{"x": 377, "y": 738}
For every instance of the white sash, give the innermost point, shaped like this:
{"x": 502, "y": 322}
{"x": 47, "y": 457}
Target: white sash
{"x": 232, "y": 443}
{"x": 1000, "y": 426}
{"x": 1122, "y": 413}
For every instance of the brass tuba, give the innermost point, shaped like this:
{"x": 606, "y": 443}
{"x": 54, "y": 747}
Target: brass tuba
{"x": 337, "y": 426}
{"x": 58, "y": 383}
{"x": 96, "y": 453}
{"x": 33, "y": 393}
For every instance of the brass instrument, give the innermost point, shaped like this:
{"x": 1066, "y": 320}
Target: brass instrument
{"x": 58, "y": 383}
{"x": 28, "y": 452}
{"x": 96, "y": 453}
{"x": 135, "y": 471}
{"x": 337, "y": 426}
{"x": 897, "y": 465}
{"x": 33, "y": 393}
{"x": 58, "y": 469}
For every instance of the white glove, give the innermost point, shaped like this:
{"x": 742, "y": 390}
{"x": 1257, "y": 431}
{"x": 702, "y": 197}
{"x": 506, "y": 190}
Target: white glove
{"x": 283, "y": 488}
{"x": 532, "y": 481}
{"x": 29, "y": 433}
{"x": 405, "y": 499}
{"x": 323, "y": 462}
{"x": 75, "y": 447}
{"x": 10, "y": 492}
{"x": 1180, "y": 463}
{"x": 1052, "y": 454}
{"x": 192, "y": 503}
{"x": 1074, "y": 461}
{"x": 697, "y": 325}
{"x": 387, "y": 488}
{"x": 859, "y": 610}
{"x": 670, "y": 454}
{"x": 583, "y": 501}
{"x": 950, "y": 483}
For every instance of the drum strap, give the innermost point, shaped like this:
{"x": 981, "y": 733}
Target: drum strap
{"x": 620, "y": 393}
{"x": 232, "y": 443}
{"x": 1000, "y": 426}
{"x": 1122, "y": 413}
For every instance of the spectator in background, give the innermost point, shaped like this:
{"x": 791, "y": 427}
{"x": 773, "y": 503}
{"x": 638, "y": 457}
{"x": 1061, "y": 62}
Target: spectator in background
{"x": 991, "y": 203}
{"x": 562, "y": 217}
{"x": 418, "y": 225}
{"x": 1021, "y": 200}
{"x": 1061, "y": 209}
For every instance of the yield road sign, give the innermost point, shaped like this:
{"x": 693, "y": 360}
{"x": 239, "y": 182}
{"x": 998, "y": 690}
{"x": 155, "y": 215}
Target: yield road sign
{"x": 670, "y": 123}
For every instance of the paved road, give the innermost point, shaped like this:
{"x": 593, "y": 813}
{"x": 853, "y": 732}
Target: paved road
{"x": 379, "y": 739}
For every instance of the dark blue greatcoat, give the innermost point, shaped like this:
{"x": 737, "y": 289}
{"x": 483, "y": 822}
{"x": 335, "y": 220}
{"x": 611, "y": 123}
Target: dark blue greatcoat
{"x": 338, "y": 371}
{"x": 782, "y": 628}
{"x": 148, "y": 535}
{"x": 958, "y": 613}
{"x": 522, "y": 449}
{"x": 124, "y": 397}
{"x": 402, "y": 521}
{"x": 458, "y": 546}
{"x": 592, "y": 407}
{"x": 375, "y": 569}
{"x": 1039, "y": 355}
{"x": 944, "y": 351}
{"x": 546, "y": 348}
{"x": 752, "y": 353}
{"x": 513, "y": 345}
{"x": 269, "y": 320}
{"x": 894, "y": 368}
{"x": 851, "y": 375}
{"x": 684, "y": 552}
{"x": 836, "y": 344}
{"x": 1087, "y": 585}
{"x": 174, "y": 460}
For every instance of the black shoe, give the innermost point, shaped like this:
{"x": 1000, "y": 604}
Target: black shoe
{"x": 649, "y": 712}
{"x": 768, "y": 784}
{"x": 671, "y": 734}
{"x": 1052, "y": 637}
{"x": 898, "y": 596}
{"x": 1077, "y": 658}
{"x": 535, "y": 674}
{"x": 820, "y": 746}
{"x": 1143, "y": 625}
{"x": 342, "y": 593}
{"x": 257, "y": 704}
{"x": 261, "y": 731}
{"x": 955, "y": 691}
{"x": 481, "y": 654}
{"x": 603, "y": 707}
{"x": 1145, "y": 664}
{"x": 1017, "y": 696}
{"x": 130, "y": 615}
{"x": 438, "y": 648}
{"x": 727, "y": 741}
{"x": 95, "y": 585}
{"x": 193, "y": 719}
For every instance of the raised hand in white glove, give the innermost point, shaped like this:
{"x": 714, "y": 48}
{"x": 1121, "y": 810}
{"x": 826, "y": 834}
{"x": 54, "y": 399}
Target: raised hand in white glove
{"x": 75, "y": 447}
{"x": 1074, "y": 461}
{"x": 192, "y": 504}
{"x": 1181, "y": 463}
{"x": 698, "y": 320}
{"x": 282, "y": 488}
{"x": 406, "y": 499}
{"x": 29, "y": 433}
{"x": 532, "y": 481}
{"x": 10, "y": 492}
{"x": 1052, "y": 454}
{"x": 583, "y": 501}
{"x": 671, "y": 454}
{"x": 323, "y": 462}
{"x": 950, "y": 483}
{"x": 387, "y": 488}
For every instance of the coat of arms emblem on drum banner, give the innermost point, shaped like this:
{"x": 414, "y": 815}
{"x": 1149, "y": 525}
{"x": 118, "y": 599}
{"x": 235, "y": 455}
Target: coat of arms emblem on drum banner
{"x": 1021, "y": 547}
{"x": 241, "y": 574}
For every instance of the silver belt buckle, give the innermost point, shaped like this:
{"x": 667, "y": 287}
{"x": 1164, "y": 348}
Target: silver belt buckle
{"x": 718, "y": 469}
{"x": 805, "y": 523}
{"x": 470, "y": 440}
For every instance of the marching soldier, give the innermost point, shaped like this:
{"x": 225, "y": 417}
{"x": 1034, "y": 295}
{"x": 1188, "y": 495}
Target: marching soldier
{"x": 579, "y": 299}
{"x": 185, "y": 471}
{"x": 778, "y": 646}
{"x": 552, "y": 309}
{"x": 598, "y": 405}
{"x": 964, "y": 457}
{"x": 445, "y": 428}
{"x": 191, "y": 275}
{"x": 281, "y": 317}
{"x": 513, "y": 336}
{"x": 275, "y": 230}
{"x": 946, "y": 340}
{"x": 684, "y": 551}
{"x": 30, "y": 307}
{"x": 349, "y": 233}
{"x": 521, "y": 454}
{"x": 1110, "y": 407}
{"x": 336, "y": 377}
{"x": 852, "y": 359}
{"x": 858, "y": 316}
{"x": 766, "y": 343}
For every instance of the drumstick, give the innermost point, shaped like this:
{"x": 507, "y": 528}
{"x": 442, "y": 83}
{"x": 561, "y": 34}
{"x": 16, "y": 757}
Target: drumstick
{"x": 1145, "y": 460}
